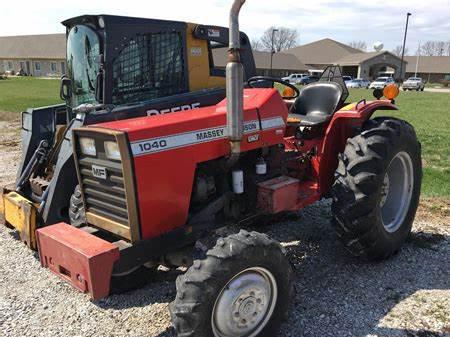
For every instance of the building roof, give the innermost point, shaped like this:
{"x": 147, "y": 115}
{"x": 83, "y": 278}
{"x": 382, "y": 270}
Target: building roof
{"x": 49, "y": 46}
{"x": 429, "y": 64}
{"x": 325, "y": 51}
{"x": 281, "y": 61}
{"x": 358, "y": 58}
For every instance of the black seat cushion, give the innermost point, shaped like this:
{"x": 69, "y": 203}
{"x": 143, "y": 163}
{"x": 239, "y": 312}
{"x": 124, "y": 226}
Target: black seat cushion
{"x": 316, "y": 103}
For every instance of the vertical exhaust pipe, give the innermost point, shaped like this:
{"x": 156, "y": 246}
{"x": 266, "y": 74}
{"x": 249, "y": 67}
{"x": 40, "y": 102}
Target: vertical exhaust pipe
{"x": 235, "y": 82}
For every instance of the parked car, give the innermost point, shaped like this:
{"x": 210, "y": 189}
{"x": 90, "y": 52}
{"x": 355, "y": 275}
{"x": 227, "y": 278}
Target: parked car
{"x": 308, "y": 79}
{"x": 381, "y": 82}
{"x": 414, "y": 83}
{"x": 347, "y": 79}
{"x": 358, "y": 83}
{"x": 294, "y": 78}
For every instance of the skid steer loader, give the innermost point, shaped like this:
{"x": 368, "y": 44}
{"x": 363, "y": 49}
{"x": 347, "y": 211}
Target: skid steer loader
{"x": 117, "y": 68}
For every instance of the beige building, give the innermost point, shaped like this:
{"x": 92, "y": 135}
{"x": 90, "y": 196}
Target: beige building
{"x": 354, "y": 62}
{"x": 282, "y": 64}
{"x": 430, "y": 68}
{"x": 35, "y": 55}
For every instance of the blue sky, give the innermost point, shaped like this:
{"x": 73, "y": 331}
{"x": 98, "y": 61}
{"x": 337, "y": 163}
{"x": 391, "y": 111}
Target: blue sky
{"x": 343, "y": 20}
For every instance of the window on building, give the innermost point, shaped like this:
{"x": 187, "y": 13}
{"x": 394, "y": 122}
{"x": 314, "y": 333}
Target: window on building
{"x": 37, "y": 66}
{"x": 10, "y": 65}
{"x": 63, "y": 68}
{"x": 53, "y": 67}
{"x": 150, "y": 66}
{"x": 22, "y": 65}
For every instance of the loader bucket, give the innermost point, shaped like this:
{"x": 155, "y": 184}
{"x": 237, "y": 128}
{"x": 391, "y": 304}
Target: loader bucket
{"x": 20, "y": 213}
{"x": 79, "y": 258}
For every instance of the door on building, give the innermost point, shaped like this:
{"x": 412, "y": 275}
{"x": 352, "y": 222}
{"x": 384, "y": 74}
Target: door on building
{"x": 63, "y": 68}
{"x": 28, "y": 68}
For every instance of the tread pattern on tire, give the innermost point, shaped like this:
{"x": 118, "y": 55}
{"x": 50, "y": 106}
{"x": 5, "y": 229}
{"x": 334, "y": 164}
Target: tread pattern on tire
{"x": 359, "y": 177}
{"x": 77, "y": 213}
{"x": 200, "y": 282}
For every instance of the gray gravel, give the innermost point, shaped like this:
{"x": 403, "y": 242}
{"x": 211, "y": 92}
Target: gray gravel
{"x": 336, "y": 294}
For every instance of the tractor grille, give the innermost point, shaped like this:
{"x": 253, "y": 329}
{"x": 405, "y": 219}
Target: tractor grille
{"x": 108, "y": 185}
{"x": 104, "y": 197}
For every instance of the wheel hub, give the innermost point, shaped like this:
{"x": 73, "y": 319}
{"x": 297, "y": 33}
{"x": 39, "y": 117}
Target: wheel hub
{"x": 396, "y": 191}
{"x": 249, "y": 308}
{"x": 245, "y": 304}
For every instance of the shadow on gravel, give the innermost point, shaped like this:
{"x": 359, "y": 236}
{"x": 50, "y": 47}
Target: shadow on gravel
{"x": 336, "y": 294}
{"x": 169, "y": 332}
{"x": 141, "y": 289}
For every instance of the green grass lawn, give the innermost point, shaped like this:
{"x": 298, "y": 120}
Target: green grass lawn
{"x": 428, "y": 112}
{"x": 19, "y": 93}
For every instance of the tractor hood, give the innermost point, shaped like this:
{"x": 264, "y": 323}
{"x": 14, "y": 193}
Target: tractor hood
{"x": 261, "y": 109}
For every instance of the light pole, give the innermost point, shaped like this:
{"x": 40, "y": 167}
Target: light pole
{"x": 272, "y": 51}
{"x": 417, "y": 60}
{"x": 404, "y": 43}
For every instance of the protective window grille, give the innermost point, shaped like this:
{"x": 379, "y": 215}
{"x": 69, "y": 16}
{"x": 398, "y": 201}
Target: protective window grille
{"x": 150, "y": 66}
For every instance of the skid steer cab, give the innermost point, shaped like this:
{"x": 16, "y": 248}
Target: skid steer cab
{"x": 117, "y": 68}
{"x": 160, "y": 190}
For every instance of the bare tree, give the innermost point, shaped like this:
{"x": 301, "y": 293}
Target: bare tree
{"x": 439, "y": 48}
{"x": 361, "y": 45}
{"x": 436, "y": 48}
{"x": 427, "y": 49}
{"x": 257, "y": 45}
{"x": 398, "y": 51}
{"x": 283, "y": 38}
{"x": 447, "y": 48}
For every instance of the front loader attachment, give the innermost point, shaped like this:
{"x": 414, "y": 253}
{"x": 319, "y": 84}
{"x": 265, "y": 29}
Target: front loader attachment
{"x": 21, "y": 214}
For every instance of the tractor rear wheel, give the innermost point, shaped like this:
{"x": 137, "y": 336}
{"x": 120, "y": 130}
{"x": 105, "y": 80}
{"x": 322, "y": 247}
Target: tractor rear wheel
{"x": 77, "y": 213}
{"x": 377, "y": 188}
{"x": 241, "y": 287}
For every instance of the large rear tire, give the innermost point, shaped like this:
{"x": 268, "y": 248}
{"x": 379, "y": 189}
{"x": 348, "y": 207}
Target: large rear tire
{"x": 377, "y": 188}
{"x": 242, "y": 287}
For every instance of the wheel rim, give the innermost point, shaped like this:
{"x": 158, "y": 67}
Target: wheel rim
{"x": 245, "y": 304}
{"x": 396, "y": 191}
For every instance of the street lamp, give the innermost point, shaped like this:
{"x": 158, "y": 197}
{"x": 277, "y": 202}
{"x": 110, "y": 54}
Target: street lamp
{"x": 404, "y": 42}
{"x": 272, "y": 51}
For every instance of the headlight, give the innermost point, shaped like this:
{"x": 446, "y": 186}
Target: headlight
{"x": 87, "y": 146}
{"x": 112, "y": 150}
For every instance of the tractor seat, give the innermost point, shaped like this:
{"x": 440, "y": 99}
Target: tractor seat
{"x": 316, "y": 103}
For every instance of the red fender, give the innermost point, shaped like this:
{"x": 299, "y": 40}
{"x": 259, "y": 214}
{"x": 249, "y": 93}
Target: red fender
{"x": 342, "y": 126}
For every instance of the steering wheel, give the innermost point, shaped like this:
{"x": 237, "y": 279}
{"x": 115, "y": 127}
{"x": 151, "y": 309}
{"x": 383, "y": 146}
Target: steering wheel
{"x": 255, "y": 79}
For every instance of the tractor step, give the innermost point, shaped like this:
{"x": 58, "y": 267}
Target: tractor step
{"x": 78, "y": 257}
{"x": 286, "y": 194}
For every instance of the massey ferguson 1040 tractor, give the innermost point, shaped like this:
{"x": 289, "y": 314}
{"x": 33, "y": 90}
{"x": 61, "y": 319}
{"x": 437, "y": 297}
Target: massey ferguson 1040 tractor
{"x": 125, "y": 68}
{"x": 155, "y": 190}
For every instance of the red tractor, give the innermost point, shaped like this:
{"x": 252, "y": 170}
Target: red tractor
{"x": 156, "y": 190}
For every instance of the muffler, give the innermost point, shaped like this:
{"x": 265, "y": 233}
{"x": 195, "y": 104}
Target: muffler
{"x": 235, "y": 82}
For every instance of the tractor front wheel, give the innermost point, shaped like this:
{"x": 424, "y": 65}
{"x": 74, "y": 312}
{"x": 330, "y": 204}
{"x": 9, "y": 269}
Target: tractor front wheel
{"x": 241, "y": 287}
{"x": 377, "y": 188}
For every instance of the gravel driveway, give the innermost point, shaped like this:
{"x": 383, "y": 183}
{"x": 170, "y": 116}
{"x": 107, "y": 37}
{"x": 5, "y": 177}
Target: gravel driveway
{"x": 336, "y": 295}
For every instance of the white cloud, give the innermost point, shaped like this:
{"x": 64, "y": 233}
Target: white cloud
{"x": 343, "y": 20}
